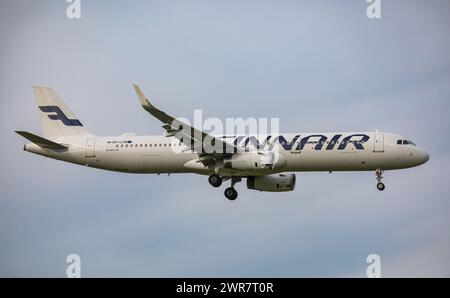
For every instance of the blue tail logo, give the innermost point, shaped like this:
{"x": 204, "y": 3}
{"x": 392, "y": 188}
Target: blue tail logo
{"x": 59, "y": 115}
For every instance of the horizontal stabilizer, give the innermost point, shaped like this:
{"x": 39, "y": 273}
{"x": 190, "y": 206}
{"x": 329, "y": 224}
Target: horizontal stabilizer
{"x": 40, "y": 141}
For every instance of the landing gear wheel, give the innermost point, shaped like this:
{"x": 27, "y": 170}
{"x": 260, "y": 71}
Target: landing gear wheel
{"x": 231, "y": 193}
{"x": 215, "y": 180}
{"x": 379, "y": 175}
{"x": 380, "y": 186}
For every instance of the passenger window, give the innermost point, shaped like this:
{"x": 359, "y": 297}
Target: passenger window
{"x": 165, "y": 145}
{"x": 145, "y": 145}
{"x": 160, "y": 145}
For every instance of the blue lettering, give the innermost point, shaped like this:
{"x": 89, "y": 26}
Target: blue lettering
{"x": 284, "y": 143}
{"x": 305, "y": 140}
{"x": 357, "y": 143}
{"x": 333, "y": 142}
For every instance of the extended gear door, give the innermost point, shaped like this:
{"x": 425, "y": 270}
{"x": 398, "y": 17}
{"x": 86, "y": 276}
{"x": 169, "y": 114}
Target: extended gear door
{"x": 90, "y": 147}
{"x": 378, "y": 143}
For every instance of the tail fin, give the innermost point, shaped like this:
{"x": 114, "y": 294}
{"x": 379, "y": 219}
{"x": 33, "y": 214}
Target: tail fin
{"x": 56, "y": 118}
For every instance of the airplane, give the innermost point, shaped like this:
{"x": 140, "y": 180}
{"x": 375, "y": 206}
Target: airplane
{"x": 264, "y": 161}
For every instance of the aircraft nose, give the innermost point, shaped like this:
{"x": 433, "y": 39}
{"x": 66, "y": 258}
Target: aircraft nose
{"x": 426, "y": 157}
{"x": 423, "y": 157}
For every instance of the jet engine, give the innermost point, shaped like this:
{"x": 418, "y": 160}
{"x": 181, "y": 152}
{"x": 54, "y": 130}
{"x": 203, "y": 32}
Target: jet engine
{"x": 272, "y": 183}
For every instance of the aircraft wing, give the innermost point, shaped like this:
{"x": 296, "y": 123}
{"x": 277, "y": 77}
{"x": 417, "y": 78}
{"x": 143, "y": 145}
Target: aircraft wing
{"x": 196, "y": 140}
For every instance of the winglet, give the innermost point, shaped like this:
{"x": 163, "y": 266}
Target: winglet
{"x": 188, "y": 135}
{"x": 144, "y": 101}
{"x": 155, "y": 112}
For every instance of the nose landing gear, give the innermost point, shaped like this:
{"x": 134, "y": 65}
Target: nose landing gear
{"x": 379, "y": 175}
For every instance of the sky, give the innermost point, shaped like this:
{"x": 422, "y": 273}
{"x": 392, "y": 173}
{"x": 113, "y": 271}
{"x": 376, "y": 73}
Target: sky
{"x": 316, "y": 65}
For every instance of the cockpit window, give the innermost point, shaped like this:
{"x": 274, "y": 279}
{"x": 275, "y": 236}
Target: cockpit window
{"x": 406, "y": 142}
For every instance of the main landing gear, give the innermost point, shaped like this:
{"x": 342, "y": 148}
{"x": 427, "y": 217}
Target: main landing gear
{"x": 215, "y": 180}
{"x": 379, "y": 174}
{"x": 230, "y": 193}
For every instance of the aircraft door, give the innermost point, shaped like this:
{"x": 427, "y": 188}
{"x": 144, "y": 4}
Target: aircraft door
{"x": 90, "y": 147}
{"x": 378, "y": 142}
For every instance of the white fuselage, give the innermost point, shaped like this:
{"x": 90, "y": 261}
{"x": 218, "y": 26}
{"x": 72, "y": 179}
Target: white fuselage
{"x": 300, "y": 152}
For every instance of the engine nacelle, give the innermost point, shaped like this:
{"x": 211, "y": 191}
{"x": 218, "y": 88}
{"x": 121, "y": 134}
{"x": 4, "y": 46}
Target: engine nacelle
{"x": 250, "y": 161}
{"x": 273, "y": 183}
